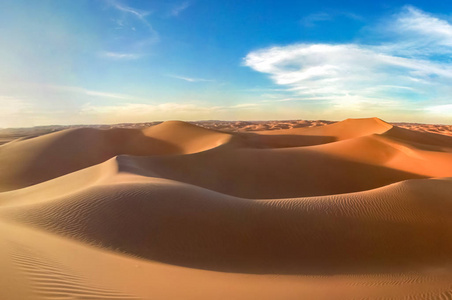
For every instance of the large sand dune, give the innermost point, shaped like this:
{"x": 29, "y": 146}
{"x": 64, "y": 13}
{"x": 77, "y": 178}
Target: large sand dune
{"x": 354, "y": 209}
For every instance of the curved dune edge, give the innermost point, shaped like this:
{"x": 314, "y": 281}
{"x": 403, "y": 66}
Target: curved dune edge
{"x": 205, "y": 227}
{"x": 347, "y": 129}
{"x": 328, "y": 154}
{"x": 355, "y": 209}
{"x": 404, "y": 226}
{"x": 32, "y": 161}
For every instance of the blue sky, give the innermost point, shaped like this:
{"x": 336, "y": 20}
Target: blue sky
{"x": 111, "y": 61}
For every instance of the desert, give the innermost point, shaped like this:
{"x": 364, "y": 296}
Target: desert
{"x": 225, "y": 150}
{"x": 353, "y": 209}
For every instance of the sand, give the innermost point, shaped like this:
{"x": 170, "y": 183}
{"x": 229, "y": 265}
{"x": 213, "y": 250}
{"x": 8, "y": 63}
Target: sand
{"x": 354, "y": 209}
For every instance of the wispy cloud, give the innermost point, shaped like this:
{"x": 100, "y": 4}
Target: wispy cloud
{"x": 422, "y": 28}
{"x": 408, "y": 66}
{"x": 147, "y": 111}
{"x": 120, "y": 56}
{"x": 312, "y": 19}
{"x": 134, "y": 32}
{"x": 127, "y": 9}
{"x": 28, "y": 104}
{"x": 137, "y": 13}
{"x": 179, "y": 8}
{"x": 12, "y": 105}
{"x": 243, "y": 105}
{"x": 106, "y": 95}
{"x": 14, "y": 111}
{"x": 87, "y": 92}
{"x": 142, "y": 108}
{"x": 439, "y": 110}
{"x": 191, "y": 79}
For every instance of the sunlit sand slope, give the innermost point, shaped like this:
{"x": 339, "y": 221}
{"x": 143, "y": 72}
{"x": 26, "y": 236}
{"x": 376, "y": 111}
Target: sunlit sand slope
{"x": 27, "y": 162}
{"x": 355, "y": 209}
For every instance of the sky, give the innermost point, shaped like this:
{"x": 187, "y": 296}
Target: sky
{"x": 115, "y": 61}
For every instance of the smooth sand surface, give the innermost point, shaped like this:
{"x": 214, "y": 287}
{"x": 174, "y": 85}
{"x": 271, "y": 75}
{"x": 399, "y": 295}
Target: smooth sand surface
{"x": 349, "y": 210}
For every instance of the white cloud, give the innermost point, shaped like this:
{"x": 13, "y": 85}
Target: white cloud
{"x": 120, "y": 56}
{"x": 12, "y": 105}
{"x": 445, "y": 109}
{"x": 13, "y": 111}
{"x": 127, "y": 42}
{"x": 176, "y": 10}
{"x": 83, "y": 91}
{"x": 243, "y": 105}
{"x": 144, "y": 111}
{"x": 422, "y": 28}
{"x": 127, "y": 9}
{"x": 314, "y": 18}
{"x": 134, "y": 108}
{"x": 359, "y": 76}
{"x": 107, "y": 95}
{"x": 190, "y": 79}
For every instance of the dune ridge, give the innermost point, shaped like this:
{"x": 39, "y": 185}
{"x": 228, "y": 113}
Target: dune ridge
{"x": 361, "y": 207}
{"x": 35, "y": 160}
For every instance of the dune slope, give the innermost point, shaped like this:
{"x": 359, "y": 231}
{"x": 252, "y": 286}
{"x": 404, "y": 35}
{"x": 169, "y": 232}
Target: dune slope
{"x": 355, "y": 209}
{"x": 31, "y": 161}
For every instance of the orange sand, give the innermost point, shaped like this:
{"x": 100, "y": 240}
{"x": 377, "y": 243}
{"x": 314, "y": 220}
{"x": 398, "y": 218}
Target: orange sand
{"x": 354, "y": 209}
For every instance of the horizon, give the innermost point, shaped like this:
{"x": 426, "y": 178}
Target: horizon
{"x": 108, "y": 62}
{"x": 213, "y": 120}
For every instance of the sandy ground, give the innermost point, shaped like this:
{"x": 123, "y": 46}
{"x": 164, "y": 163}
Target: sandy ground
{"x": 229, "y": 210}
{"x": 10, "y": 134}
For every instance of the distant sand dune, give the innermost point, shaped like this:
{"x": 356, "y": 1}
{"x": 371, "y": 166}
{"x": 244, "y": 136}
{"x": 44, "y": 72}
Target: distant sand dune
{"x": 32, "y": 161}
{"x": 354, "y": 209}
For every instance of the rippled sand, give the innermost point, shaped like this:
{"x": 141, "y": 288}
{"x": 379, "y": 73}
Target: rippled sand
{"x": 228, "y": 210}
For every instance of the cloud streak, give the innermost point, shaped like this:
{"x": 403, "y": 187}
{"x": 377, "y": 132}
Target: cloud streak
{"x": 87, "y": 92}
{"x": 136, "y": 112}
{"x": 190, "y": 79}
{"x": 120, "y": 56}
{"x": 318, "y": 17}
{"x": 127, "y": 44}
{"x": 178, "y": 9}
{"x": 124, "y": 8}
{"x": 439, "y": 110}
{"x": 14, "y": 111}
{"x": 408, "y": 66}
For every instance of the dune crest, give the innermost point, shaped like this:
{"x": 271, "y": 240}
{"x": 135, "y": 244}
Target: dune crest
{"x": 35, "y": 160}
{"x": 349, "y": 128}
{"x": 354, "y": 209}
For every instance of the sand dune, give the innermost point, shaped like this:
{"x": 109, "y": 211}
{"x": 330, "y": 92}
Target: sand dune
{"x": 31, "y": 161}
{"x": 354, "y": 209}
{"x": 350, "y": 128}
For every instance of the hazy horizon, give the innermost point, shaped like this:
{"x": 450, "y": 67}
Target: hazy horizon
{"x": 118, "y": 61}
{"x": 154, "y": 122}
